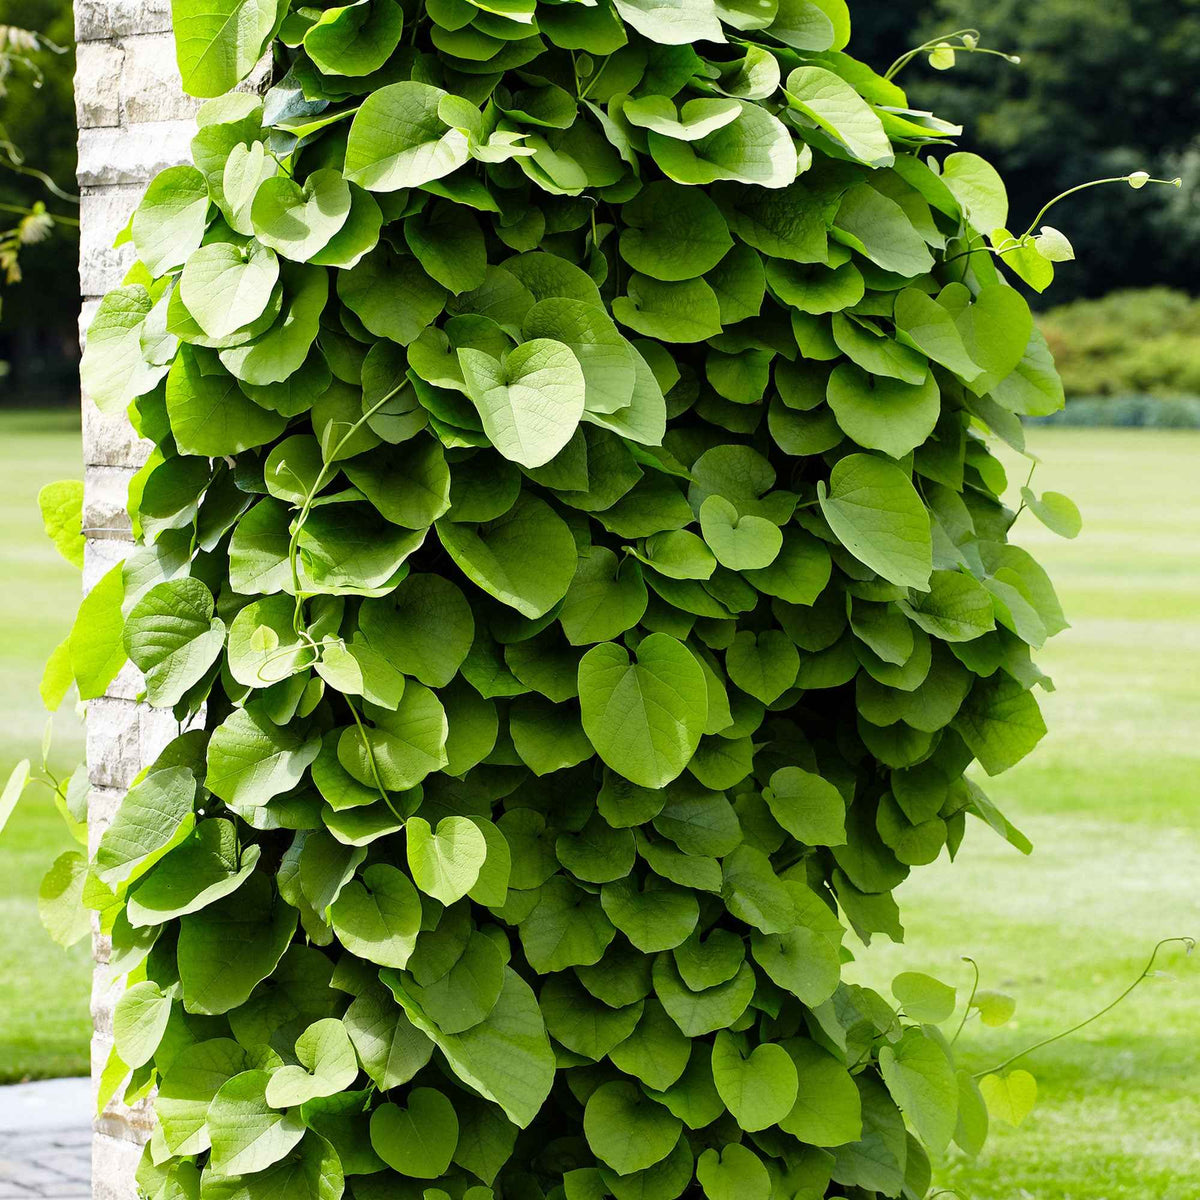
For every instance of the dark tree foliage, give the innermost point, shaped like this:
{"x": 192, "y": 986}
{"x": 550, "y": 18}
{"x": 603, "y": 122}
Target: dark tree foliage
{"x": 1103, "y": 88}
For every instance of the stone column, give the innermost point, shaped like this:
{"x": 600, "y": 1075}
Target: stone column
{"x": 134, "y": 121}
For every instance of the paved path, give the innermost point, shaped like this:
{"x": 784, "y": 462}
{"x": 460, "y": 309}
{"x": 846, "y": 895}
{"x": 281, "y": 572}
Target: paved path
{"x": 45, "y": 1140}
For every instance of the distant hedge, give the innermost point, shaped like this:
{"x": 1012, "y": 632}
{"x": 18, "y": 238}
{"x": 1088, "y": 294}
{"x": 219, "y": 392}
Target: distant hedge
{"x": 1129, "y": 344}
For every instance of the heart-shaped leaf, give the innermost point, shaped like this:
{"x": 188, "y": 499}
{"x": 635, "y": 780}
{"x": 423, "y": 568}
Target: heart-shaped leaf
{"x": 445, "y": 864}
{"x": 747, "y": 543}
{"x": 645, "y": 719}
{"x": 531, "y": 403}
{"x": 296, "y": 220}
{"x": 758, "y": 1087}
{"x": 1010, "y": 1098}
{"x": 418, "y": 1140}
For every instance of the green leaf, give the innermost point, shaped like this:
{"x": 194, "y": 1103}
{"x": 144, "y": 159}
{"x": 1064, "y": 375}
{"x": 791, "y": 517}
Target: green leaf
{"x": 1000, "y": 722}
{"x": 734, "y": 1172}
{"x": 876, "y": 226}
{"x": 995, "y": 1008}
{"x": 467, "y": 993}
{"x": 445, "y": 864}
{"x": 605, "y": 357}
{"x": 645, "y": 719}
{"x": 837, "y": 108}
{"x": 169, "y": 223}
{"x": 979, "y": 190}
{"x": 655, "y": 1052}
{"x": 925, "y": 324}
{"x": 449, "y": 244}
{"x": 219, "y": 42}
{"x": 204, "y": 868}
{"x": 810, "y": 808}
{"x": 112, "y": 369}
{"x": 1009, "y": 1098}
{"x": 13, "y": 791}
{"x": 525, "y": 558}
{"x": 627, "y": 1130}
{"x": 61, "y": 505}
{"x": 248, "y": 1134}
{"x": 828, "y": 1109}
{"x": 759, "y": 1087}
{"x": 251, "y": 759}
{"x": 673, "y": 22}
{"x": 392, "y": 296}
{"x": 356, "y": 39}
{"x": 923, "y": 997}
{"x": 763, "y": 665}
{"x": 402, "y": 747}
{"x": 884, "y": 414}
{"x": 425, "y": 628}
{"x": 327, "y": 1065}
{"x": 173, "y": 637}
{"x": 299, "y": 221}
{"x": 755, "y": 149}
{"x": 1057, "y": 512}
{"x": 227, "y": 287}
{"x": 312, "y": 1171}
{"x": 957, "y": 608}
{"x": 741, "y": 543}
{"x": 672, "y": 232}
{"x": 209, "y": 413}
{"x": 657, "y": 917}
{"x": 378, "y": 917}
{"x": 922, "y": 1082}
{"x": 531, "y": 403}
{"x": 419, "y": 1139}
{"x": 606, "y": 597}
{"x": 565, "y": 928}
{"x": 60, "y": 900}
{"x": 671, "y": 312}
{"x": 707, "y": 1010}
{"x": 506, "y": 1058}
{"x": 277, "y": 354}
{"x": 875, "y": 512}
{"x": 228, "y": 948}
{"x": 398, "y": 140}
{"x": 153, "y": 818}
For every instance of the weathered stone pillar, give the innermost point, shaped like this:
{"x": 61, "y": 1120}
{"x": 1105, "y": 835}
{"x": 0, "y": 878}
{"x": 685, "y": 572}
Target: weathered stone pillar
{"x": 133, "y": 121}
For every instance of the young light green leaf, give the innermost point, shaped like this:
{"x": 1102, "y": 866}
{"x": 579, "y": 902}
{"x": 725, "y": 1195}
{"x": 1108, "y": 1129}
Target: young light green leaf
{"x": 645, "y": 719}
{"x": 531, "y": 403}
{"x": 173, "y": 637}
{"x": 830, "y": 102}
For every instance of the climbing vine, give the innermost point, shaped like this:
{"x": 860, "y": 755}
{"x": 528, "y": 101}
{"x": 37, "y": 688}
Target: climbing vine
{"x": 573, "y": 551}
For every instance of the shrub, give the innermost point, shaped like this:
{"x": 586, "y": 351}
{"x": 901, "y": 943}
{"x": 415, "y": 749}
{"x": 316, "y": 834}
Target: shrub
{"x": 1129, "y": 343}
{"x": 572, "y": 550}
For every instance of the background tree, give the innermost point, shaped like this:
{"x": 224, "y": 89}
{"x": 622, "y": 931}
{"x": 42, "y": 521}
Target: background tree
{"x": 1102, "y": 89}
{"x": 37, "y": 130}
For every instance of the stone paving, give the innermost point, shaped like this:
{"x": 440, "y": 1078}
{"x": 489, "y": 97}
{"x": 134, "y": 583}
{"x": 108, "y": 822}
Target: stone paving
{"x": 46, "y": 1140}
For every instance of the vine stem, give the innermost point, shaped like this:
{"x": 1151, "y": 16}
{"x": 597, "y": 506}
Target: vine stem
{"x": 362, "y": 733}
{"x": 323, "y": 477}
{"x": 970, "y": 999}
{"x": 1189, "y": 942}
{"x": 964, "y": 47}
{"x": 1082, "y": 187}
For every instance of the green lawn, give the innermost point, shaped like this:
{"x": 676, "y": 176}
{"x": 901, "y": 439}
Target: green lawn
{"x": 1108, "y": 799}
{"x": 44, "y": 1023}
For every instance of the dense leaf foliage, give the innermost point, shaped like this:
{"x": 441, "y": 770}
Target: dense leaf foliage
{"x": 572, "y": 546}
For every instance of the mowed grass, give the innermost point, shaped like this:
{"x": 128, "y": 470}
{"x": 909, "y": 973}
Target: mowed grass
{"x": 44, "y": 1023}
{"x": 1110, "y": 799}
